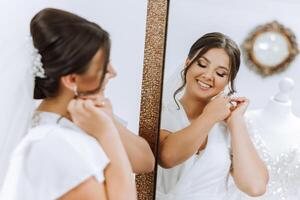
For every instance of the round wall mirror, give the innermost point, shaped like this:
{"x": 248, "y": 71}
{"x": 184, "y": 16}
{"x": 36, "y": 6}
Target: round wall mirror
{"x": 270, "y": 48}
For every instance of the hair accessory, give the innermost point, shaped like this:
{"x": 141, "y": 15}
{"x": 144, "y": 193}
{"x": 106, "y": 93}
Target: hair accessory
{"x": 37, "y": 68}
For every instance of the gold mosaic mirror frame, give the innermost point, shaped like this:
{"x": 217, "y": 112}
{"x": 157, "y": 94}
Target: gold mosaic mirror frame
{"x": 248, "y": 44}
{"x": 154, "y": 53}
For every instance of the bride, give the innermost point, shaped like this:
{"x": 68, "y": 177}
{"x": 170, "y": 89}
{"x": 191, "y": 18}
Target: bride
{"x": 203, "y": 135}
{"x": 75, "y": 149}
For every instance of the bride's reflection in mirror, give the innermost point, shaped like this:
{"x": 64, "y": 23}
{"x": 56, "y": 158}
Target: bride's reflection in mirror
{"x": 203, "y": 136}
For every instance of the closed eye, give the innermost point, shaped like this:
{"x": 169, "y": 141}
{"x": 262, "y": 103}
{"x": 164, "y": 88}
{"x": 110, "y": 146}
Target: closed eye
{"x": 200, "y": 65}
{"x": 221, "y": 74}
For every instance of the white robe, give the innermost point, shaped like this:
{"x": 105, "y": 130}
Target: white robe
{"x": 202, "y": 176}
{"x": 53, "y": 158}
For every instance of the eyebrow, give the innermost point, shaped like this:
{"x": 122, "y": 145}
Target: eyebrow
{"x": 207, "y": 60}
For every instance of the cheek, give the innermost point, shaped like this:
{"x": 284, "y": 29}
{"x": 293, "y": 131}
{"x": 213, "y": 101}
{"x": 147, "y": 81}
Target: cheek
{"x": 221, "y": 82}
{"x": 192, "y": 73}
{"x": 90, "y": 82}
{"x": 190, "y": 80}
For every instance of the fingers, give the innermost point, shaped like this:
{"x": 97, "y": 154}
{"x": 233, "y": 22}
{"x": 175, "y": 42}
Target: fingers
{"x": 229, "y": 106}
{"x": 71, "y": 105}
{"x": 93, "y": 97}
{"x": 220, "y": 96}
{"x": 240, "y": 100}
{"x": 78, "y": 107}
{"x": 89, "y": 105}
{"x": 101, "y": 102}
{"x": 241, "y": 104}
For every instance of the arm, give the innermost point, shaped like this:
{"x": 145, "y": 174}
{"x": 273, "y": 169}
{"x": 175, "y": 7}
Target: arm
{"x": 118, "y": 175}
{"x": 138, "y": 150}
{"x": 89, "y": 190}
{"x": 249, "y": 171}
{"x": 96, "y": 122}
{"x": 177, "y": 147}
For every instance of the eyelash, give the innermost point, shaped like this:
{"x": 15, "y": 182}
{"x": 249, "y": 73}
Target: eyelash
{"x": 200, "y": 65}
{"x": 221, "y": 75}
{"x": 203, "y": 66}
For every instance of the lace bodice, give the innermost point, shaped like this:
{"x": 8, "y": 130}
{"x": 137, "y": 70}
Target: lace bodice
{"x": 284, "y": 168}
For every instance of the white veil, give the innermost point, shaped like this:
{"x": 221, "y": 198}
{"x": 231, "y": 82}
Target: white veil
{"x": 170, "y": 85}
{"x": 16, "y": 102}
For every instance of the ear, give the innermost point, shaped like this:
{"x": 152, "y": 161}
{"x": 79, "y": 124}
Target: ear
{"x": 69, "y": 81}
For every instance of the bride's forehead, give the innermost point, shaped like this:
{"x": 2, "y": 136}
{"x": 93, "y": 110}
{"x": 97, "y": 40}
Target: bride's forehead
{"x": 216, "y": 56}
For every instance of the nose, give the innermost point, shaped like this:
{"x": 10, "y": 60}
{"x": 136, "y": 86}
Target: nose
{"x": 208, "y": 74}
{"x": 111, "y": 72}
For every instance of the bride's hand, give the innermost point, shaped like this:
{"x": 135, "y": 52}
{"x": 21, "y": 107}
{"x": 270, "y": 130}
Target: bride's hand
{"x": 238, "y": 111}
{"x": 102, "y": 102}
{"x": 90, "y": 117}
{"x": 218, "y": 108}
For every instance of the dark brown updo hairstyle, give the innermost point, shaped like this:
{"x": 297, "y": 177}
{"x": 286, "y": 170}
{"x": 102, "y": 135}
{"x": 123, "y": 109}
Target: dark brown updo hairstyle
{"x": 204, "y": 44}
{"x": 66, "y": 43}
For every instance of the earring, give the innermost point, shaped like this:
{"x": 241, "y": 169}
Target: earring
{"x": 75, "y": 90}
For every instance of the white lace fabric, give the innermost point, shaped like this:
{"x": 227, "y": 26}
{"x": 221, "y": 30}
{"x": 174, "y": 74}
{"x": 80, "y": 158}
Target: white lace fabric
{"x": 283, "y": 168}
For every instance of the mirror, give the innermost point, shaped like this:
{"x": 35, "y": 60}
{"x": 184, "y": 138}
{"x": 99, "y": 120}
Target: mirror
{"x": 129, "y": 69}
{"x": 270, "y": 48}
{"x": 198, "y": 158}
{"x": 100, "y": 12}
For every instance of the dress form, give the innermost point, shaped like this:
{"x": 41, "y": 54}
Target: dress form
{"x": 275, "y": 132}
{"x": 277, "y": 125}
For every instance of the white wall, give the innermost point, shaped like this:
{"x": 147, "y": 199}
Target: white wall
{"x": 190, "y": 19}
{"x": 125, "y": 21}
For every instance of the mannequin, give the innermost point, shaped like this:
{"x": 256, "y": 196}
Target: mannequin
{"x": 276, "y": 123}
{"x": 275, "y": 132}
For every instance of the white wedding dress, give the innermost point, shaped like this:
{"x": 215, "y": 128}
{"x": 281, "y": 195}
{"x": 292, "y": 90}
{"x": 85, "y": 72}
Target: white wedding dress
{"x": 202, "y": 176}
{"x": 53, "y": 158}
{"x": 275, "y": 132}
{"x": 283, "y": 168}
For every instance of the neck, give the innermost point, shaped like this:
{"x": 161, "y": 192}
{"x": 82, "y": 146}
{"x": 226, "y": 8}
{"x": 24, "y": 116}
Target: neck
{"x": 193, "y": 107}
{"x": 56, "y": 105}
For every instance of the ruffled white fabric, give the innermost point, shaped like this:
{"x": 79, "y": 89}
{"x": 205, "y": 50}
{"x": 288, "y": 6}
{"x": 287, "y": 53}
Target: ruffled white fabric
{"x": 53, "y": 158}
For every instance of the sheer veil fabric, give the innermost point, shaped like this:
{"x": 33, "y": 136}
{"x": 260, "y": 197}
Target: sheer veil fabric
{"x": 17, "y": 104}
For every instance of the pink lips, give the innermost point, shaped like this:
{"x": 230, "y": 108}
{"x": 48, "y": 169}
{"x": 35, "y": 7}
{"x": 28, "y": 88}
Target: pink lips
{"x": 202, "y": 87}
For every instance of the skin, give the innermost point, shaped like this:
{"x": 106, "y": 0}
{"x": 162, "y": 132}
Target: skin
{"x": 94, "y": 115}
{"x": 206, "y": 107}
{"x": 139, "y": 152}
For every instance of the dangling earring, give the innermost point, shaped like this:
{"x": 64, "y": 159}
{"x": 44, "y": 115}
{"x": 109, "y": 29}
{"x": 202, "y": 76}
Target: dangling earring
{"x": 75, "y": 90}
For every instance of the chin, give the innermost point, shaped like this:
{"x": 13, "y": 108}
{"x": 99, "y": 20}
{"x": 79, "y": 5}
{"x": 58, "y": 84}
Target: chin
{"x": 202, "y": 97}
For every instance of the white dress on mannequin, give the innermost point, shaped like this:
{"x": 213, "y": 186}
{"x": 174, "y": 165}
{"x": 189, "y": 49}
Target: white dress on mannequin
{"x": 275, "y": 132}
{"x": 53, "y": 158}
{"x": 202, "y": 176}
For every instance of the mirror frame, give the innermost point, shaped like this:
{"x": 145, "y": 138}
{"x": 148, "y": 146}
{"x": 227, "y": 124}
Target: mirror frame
{"x": 154, "y": 55}
{"x": 248, "y": 52}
